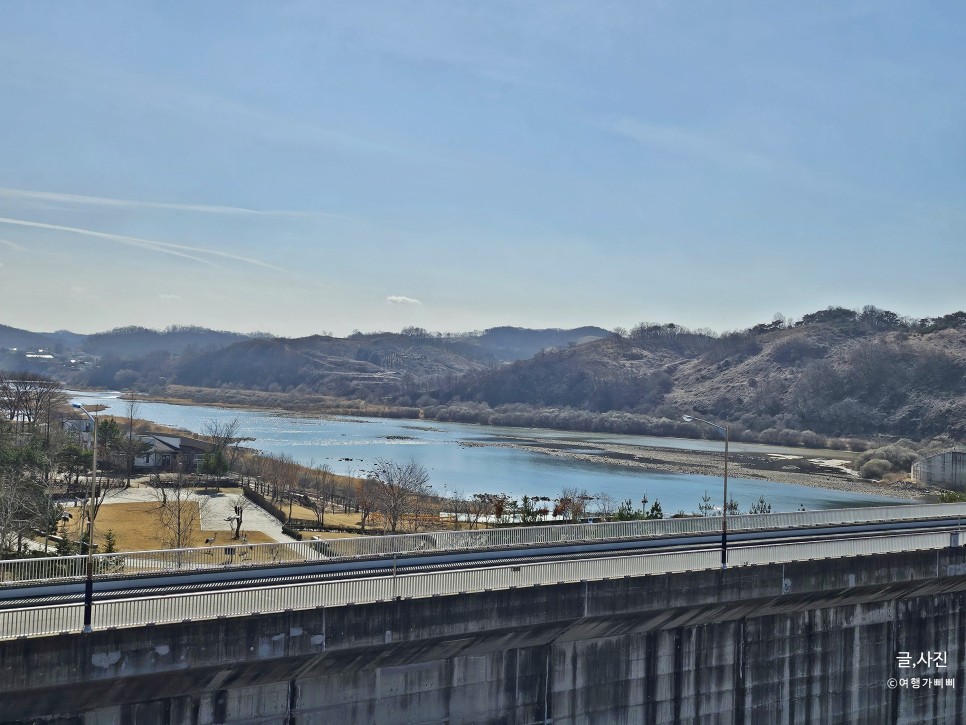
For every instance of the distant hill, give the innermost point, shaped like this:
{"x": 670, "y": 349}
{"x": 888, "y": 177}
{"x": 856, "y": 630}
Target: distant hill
{"x": 375, "y": 367}
{"x": 43, "y": 353}
{"x": 365, "y": 367}
{"x": 131, "y": 342}
{"x": 836, "y": 372}
{"x": 518, "y": 343}
{"x": 11, "y": 337}
{"x": 124, "y": 342}
{"x": 369, "y": 366}
{"x": 67, "y": 354}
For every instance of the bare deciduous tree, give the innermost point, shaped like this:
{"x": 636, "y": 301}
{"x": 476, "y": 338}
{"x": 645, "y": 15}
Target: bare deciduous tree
{"x": 239, "y": 505}
{"x": 365, "y": 498}
{"x": 480, "y": 506}
{"x": 26, "y": 397}
{"x": 24, "y": 501}
{"x": 321, "y": 483}
{"x": 604, "y": 505}
{"x": 572, "y": 503}
{"x": 458, "y": 508}
{"x": 398, "y": 488}
{"x": 224, "y": 434}
{"x": 130, "y": 445}
{"x": 179, "y": 511}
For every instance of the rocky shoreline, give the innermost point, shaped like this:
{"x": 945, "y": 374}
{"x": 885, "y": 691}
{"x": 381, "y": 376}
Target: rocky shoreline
{"x": 799, "y": 470}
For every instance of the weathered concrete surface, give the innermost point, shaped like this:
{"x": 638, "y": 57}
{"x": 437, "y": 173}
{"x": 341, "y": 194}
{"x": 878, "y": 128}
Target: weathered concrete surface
{"x": 810, "y": 642}
{"x": 946, "y": 470}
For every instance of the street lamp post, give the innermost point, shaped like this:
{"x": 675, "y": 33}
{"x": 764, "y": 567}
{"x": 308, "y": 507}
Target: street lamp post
{"x": 724, "y": 509}
{"x": 89, "y": 586}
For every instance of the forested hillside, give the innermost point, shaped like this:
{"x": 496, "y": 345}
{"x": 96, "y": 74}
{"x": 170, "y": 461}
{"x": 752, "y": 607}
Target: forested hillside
{"x": 71, "y": 356}
{"x": 12, "y": 337}
{"x": 128, "y": 342}
{"x": 836, "y": 373}
{"x": 369, "y": 367}
{"x": 377, "y": 367}
{"x": 519, "y": 343}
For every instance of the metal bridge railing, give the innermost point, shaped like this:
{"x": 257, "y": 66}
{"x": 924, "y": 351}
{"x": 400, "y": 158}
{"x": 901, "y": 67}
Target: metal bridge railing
{"x": 236, "y": 554}
{"x": 40, "y": 621}
{"x": 243, "y": 602}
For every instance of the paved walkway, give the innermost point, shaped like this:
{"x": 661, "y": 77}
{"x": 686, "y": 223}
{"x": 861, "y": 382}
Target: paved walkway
{"x": 216, "y": 508}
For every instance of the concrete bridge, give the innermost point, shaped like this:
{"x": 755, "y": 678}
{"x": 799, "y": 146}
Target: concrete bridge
{"x": 850, "y": 638}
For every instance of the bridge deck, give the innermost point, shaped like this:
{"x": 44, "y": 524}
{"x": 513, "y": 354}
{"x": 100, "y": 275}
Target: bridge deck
{"x": 147, "y": 610}
{"x": 20, "y": 571}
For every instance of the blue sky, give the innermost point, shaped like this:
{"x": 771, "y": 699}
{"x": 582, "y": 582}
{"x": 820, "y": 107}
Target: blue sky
{"x": 297, "y": 167}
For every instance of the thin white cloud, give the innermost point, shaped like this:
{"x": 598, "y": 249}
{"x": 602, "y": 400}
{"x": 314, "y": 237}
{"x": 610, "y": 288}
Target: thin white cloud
{"x": 679, "y": 141}
{"x": 167, "y": 296}
{"x": 177, "y": 250}
{"x": 12, "y": 245}
{"x": 79, "y": 199}
{"x": 400, "y": 300}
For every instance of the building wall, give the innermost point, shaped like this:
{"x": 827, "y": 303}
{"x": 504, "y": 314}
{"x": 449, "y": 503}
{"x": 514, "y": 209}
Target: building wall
{"x": 945, "y": 470}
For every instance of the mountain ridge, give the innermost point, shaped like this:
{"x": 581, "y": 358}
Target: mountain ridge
{"x": 835, "y": 373}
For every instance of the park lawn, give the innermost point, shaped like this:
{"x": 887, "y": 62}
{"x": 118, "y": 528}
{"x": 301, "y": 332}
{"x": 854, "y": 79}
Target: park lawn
{"x": 303, "y": 512}
{"x": 309, "y": 535}
{"x": 135, "y": 527}
{"x": 427, "y": 523}
{"x": 331, "y": 519}
{"x": 342, "y": 519}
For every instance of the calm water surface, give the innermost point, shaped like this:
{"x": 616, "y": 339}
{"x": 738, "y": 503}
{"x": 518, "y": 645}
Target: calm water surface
{"x": 351, "y": 445}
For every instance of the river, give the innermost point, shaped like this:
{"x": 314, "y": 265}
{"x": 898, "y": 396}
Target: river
{"x": 351, "y": 445}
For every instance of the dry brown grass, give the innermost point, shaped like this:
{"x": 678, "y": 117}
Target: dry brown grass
{"x": 331, "y": 519}
{"x": 426, "y": 523}
{"x": 309, "y": 535}
{"x": 135, "y": 527}
{"x": 301, "y": 512}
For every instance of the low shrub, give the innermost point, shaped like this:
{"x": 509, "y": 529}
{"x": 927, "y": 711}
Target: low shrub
{"x": 899, "y": 457}
{"x": 875, "y": 469}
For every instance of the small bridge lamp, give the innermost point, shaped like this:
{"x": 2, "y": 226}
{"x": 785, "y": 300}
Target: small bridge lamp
{"x": 89, "y": 587}
{"x": 724, "y": 510}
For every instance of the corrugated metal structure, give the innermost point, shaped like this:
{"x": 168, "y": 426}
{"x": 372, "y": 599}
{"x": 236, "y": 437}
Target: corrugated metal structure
{"x": 945, "y": 470}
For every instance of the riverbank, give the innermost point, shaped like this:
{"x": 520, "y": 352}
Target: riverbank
{"x": 828, "y": 473}
{"x": 295, "y": 404}
{"x": 817, "y": 469}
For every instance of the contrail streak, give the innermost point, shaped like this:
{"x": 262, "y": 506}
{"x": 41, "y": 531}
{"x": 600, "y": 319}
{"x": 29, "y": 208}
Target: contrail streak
{"x": 12, "y": 245}
{"x": 177, "y": 250}
{"x": 129, "y": 203}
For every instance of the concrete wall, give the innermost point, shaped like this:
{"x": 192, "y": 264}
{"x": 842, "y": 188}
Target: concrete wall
{"x": 810, "y": 642}
{"x": 945, "y": 470}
